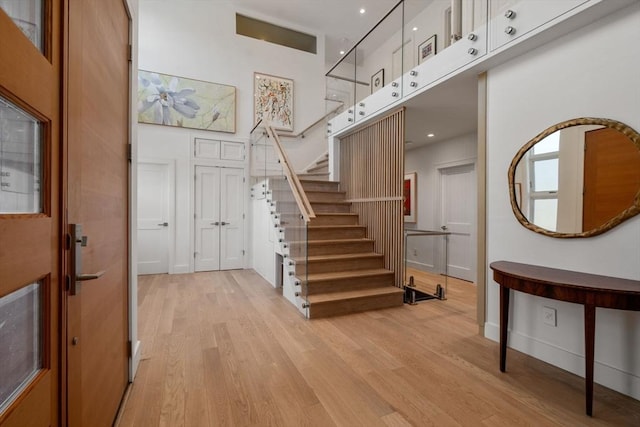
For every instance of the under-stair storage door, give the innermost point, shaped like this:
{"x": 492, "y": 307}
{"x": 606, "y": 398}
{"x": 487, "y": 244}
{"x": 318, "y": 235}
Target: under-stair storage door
{"x": 231, "y": 224}
{"x": 207, "y": 218}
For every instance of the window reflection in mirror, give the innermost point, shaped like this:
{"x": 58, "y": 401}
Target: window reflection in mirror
{"x": 577, "y": 179}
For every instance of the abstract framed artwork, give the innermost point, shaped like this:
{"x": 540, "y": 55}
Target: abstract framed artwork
{"x": 409, "y": 192}
{"x": 169, "y": 100}
{"x": 427, "y": 49}
{"x": 377, "y": 81}
{"x": 273, "y": 101}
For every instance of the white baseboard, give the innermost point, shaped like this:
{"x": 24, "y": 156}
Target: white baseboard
{"x": 608, "y": 376}
{"x": 420, "y": 266}
{"x": 136, "y": 352}
{"x": 181, "y": 269}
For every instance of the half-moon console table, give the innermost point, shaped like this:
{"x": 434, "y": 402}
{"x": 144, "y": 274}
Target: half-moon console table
{"x": 589, "y": 290}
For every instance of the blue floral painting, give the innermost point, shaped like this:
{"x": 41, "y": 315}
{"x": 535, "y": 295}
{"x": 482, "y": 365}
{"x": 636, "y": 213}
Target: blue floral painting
{"x": 177, "y": 101}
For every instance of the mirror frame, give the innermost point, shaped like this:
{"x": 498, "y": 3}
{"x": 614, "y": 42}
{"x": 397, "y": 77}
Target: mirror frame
{"x": 631, "y": 211}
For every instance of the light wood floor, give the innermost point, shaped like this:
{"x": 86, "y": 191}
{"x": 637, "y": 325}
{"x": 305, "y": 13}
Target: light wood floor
{"x": 224, "y": 348}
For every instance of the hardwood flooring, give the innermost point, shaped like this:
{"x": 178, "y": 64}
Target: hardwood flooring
{"x": 225, "y": 348}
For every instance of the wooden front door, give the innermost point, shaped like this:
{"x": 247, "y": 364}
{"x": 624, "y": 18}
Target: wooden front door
{"x": 611, "y": 176}
{"x": 97, "y": 182}
{"x": 30, "y": 250}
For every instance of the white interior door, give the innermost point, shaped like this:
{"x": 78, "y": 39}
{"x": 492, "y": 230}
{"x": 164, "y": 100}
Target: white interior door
{"x": 231, "y": 214}
{"x": 153, "y": 218}
{"x": 207, "y": 218}
{"x": 458, "y": 210}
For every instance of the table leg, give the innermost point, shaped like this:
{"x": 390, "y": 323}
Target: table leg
{"x": 589, "y": 341}
{"x": 504, "y": 321}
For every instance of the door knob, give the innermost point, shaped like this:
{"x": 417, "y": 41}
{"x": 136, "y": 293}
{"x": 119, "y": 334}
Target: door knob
{"x": 215, "y": 223}
{"x": 164, "y": 224}
{"x": 224, "y": 223}
{"x": 444, "y": 228}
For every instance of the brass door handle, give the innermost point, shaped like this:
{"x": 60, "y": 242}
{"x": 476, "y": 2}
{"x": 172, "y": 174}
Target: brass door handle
{"x": 90, "y": 276}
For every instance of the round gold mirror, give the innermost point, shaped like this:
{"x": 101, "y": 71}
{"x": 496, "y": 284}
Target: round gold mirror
{"x": 578, "y": 178}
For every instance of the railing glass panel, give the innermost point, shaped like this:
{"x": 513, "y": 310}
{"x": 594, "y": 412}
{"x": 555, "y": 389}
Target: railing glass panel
{"x": 425, "y": 264}
{"x": 416, "y": 44}
{"x": 271, "y": 180}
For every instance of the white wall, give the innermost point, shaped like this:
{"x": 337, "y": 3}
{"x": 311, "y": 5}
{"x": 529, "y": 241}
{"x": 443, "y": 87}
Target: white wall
{"x": 592, "y": 72}
{"x": 196, "y": 39}
{"x": 425, "y": 161}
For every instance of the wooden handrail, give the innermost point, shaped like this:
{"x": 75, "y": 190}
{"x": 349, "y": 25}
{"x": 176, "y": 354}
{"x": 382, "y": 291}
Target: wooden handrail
{"x": 296, "y": 186}
{"x": 301, "y": 133}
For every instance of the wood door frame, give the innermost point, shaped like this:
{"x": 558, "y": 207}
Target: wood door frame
{"x": 171, "y": 200}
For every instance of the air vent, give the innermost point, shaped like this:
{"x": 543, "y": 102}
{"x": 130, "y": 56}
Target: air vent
{"x": 266, "y": 31}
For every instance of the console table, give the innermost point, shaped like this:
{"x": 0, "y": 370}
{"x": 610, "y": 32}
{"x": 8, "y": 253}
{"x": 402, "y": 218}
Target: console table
{"x": 589, "y": 290}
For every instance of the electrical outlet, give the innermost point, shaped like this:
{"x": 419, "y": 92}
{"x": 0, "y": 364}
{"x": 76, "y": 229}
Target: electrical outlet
{"x": 549, "y": 316}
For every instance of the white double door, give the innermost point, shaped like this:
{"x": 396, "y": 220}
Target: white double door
{"x": 219, "y": 218}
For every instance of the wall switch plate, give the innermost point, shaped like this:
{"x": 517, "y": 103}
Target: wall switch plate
{"x": 549, "y": 316}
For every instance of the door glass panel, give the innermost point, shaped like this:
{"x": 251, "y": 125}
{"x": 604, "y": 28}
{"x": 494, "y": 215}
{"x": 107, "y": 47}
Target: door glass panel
{"x": 20, "y": 340}
{"x": 27, "y": 15}
{"x": 20, "y": 160}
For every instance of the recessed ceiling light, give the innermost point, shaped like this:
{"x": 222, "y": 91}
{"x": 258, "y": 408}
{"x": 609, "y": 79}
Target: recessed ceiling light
{"x": 430, "y": 135}
{"x": 342, "y": 52}
{"x": 415, "y": 28}
{"x": 362, "y": 11}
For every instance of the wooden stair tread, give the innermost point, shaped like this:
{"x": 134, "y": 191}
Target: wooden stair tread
{"x": 335, "y": 241}
{"x": 347, "y": 226}
{"x": 328, "y": 258}
{"x": 330, "y": 203}
{"x": 347, "y": 295}
{"x": 347, "y": 274}
{"x": 319, "y": 181}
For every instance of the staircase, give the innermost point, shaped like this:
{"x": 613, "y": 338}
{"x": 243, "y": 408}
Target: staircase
{"x": 343, "y": 273}
{"x": 319, "y": 170}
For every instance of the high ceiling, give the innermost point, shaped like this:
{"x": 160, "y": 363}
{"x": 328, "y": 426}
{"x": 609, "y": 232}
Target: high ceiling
{"x": 340, "y": 20}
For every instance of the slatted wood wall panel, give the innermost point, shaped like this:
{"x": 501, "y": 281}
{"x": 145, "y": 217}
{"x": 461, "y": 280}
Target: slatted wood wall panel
{"x": 372, "y": 172}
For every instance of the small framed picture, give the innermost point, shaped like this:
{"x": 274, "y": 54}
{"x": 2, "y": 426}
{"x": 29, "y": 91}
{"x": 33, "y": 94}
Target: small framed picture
{"x": 377, "y": 81}
{"x": 410, "y": 197}
{"x": 427, "y": 49}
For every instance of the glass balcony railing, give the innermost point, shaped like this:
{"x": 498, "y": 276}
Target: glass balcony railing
{"x": 416, "y": 44}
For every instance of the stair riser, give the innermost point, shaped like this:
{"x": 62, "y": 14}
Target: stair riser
{"x": 352, "y": 306}
{"x": 320, "y": 186}
{"x": 350, "y": 284}
{"x": 336, "y": 233}
{"x": 331, "y": 208}
{"x": 325, "y": 196}
{"x": 341, "y": 248}
{"x": 341, "y": 265}
{"x": 335, "y": 220}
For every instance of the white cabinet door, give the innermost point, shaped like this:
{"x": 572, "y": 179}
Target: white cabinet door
{"x": 153, "y": 218}
{"x": 219, "y": 218}
{"x": 231, "y": 219}
{"x": 207, "y": 218}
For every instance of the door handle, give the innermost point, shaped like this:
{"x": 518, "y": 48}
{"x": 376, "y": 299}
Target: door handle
{"x": 444, "y": 228}
{"x": 224, "y": 223}
{"x": 75, "y": 276}
{"x": 215, "y": 223}
{"x": 85, "y": 277}
{"x": 164, "y": 224}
